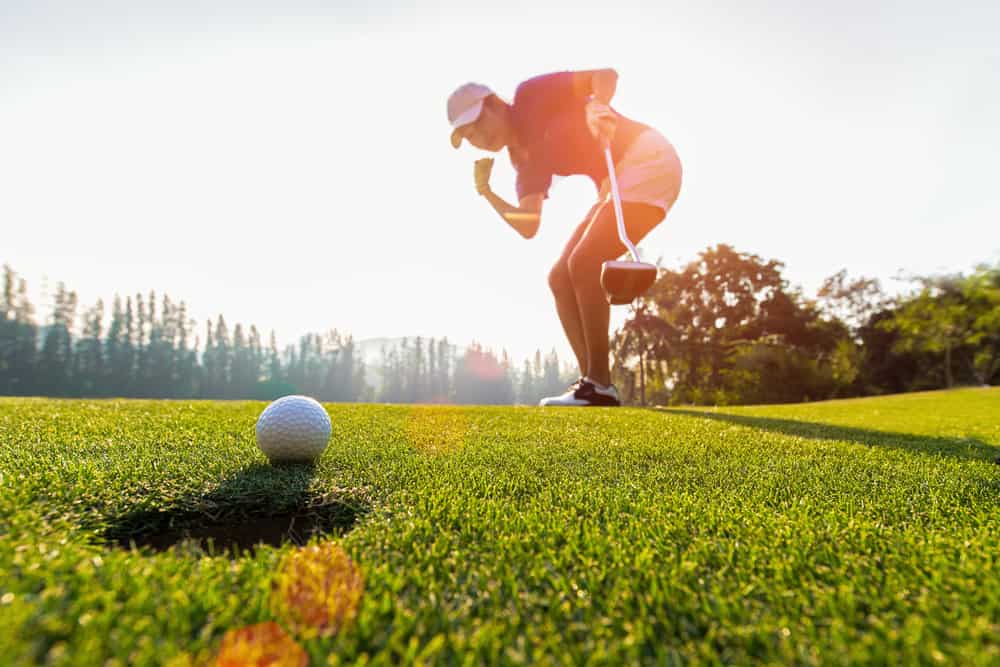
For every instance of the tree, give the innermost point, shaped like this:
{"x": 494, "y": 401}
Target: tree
{"x": 481, "y": 378}
{"x": 89, "y": 357}
{"x": 23, "y": 368}
{"x": 934, "y": 320}
{"x": 209, "y": 368}
{"x": 639, "y": 343}
{"x": 432, "y": 378}
{"x": 186, "y": 355}
{"x": 8, "y": 328}
{"x": 18, "y": 338}
{"x": 981, "y": 292}
{"x": 222, "y": 357}
{"x": 57, "y": 346}
{"x": 241, "y": 375}
{"x": 956, "y": 318}
{"x": 526, "y": 386}
{"x": 851, "y": 301}
{"x": 146, "y": 353}
{"x": 713, "y": 332}
{"x": 444, "y": 360}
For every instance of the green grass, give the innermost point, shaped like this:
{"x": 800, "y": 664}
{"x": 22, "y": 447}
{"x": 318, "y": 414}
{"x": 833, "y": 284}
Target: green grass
{"x": 861, "y": 531}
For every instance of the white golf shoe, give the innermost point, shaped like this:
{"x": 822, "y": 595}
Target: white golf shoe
{"x": 584, "y": 393}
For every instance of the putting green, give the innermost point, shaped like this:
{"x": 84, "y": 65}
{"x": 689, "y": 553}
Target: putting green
{"x": 842, "y": 532}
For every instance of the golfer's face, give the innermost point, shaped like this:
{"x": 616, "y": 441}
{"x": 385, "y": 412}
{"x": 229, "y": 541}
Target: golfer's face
{"x": 487, "y": 132}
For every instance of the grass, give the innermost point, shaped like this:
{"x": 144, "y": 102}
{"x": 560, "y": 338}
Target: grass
{"x": 861, "y": 531}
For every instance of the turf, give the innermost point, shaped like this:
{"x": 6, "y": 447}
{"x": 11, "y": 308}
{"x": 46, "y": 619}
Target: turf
{"x": 862, "y": 531}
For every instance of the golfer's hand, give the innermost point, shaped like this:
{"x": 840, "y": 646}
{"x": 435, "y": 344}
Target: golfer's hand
{"x": 482, "y": 172}
{"x": 601, "y": 121}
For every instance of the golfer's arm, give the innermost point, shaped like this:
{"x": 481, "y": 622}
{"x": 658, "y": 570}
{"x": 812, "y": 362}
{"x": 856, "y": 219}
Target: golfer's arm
{"x": 524, "y": 218}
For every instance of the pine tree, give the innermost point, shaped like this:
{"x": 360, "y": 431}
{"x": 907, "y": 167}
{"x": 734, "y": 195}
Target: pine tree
{"x": 141, "y": 351}
{"x": 89, "y": 366}
{"x": 390, "y": 390}
{"x": 128, "y": 351}
{"x": 113, "y": 349}
{"x": 23, "y": 371}
{"x": 256, "y": 362}
{"x": 552, "y": 381}
{"x": 209, "y": 367}
{"x": 165, "y": 376}
{"x": 156, "y": 381}
{"x": 222, "y": 357}
{"x": 241, "y": 372}
{"x": 526, "y": 388}
{"x": 18, "y": 334}
{"x": 8, "y": 329}
{"x": 444, "y": 370}
{"x": 432, "y": 379}
{"x": 274, "y": 374}
{"x": 57, "y": 345}
{"x": 7, "y": 301}
{"x": 331, "y": 363}
{"x": 185, "y": 357}
{"x": 481, "y": 378}
{"x": 417, "y": 380}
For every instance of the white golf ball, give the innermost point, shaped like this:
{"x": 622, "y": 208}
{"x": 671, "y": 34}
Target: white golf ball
{"x": 293, "y": 429}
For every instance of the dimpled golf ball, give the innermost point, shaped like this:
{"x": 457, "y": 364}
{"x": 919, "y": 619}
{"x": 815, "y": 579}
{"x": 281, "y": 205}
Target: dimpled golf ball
{"x": 293, "y": 429}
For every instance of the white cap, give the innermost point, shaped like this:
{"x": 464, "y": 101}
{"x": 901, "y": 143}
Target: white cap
{"x": 464, "y": 107}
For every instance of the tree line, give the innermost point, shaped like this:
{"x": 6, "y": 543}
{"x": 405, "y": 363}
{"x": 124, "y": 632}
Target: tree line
{"x": 148, "y": 346}
{"x": 727, "y": 328}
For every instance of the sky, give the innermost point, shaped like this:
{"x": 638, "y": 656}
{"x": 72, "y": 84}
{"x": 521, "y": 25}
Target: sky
{"x": 288, "y": 164}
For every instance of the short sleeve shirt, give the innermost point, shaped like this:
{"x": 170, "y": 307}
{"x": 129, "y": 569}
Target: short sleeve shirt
{"x": 552, "y": 136}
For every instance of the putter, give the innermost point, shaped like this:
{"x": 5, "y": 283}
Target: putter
{"x": 624, "y": 281}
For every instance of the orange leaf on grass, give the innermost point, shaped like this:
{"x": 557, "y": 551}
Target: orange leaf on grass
{"x": 317, "y": 590}
{"x": 260, "y": 645}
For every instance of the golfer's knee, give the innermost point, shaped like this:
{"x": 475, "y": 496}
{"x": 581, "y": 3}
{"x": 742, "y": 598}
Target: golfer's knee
{"x": 583, "y": 269}
{"x": 559, "y": 279}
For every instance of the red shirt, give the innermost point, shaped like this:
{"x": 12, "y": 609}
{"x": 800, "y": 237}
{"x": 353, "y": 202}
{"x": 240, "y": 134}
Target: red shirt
{"x": 552, "y": 136}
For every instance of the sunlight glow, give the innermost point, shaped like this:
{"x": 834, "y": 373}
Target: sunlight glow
{"x": 297, "y": 174}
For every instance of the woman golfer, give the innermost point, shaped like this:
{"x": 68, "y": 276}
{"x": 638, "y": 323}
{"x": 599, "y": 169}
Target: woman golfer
{"x": 559, "y": 124}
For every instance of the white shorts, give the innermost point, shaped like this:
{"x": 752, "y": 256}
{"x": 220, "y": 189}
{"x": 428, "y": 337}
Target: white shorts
{"x": 649, "y": 172}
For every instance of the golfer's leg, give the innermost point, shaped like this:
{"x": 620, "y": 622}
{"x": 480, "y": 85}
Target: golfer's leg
{"x": 565, "y": 296}
{"x": 600, "y": 243}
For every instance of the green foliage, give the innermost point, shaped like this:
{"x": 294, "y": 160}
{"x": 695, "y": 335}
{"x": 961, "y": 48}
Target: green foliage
{"x": 957, "y": 319}
{"x": 727, "y": 329}
{"x": 773, "y": 372}
{"x": 849, "y": 532}
{"x": 149, "y": 349}
{"x": 852, "y": 301}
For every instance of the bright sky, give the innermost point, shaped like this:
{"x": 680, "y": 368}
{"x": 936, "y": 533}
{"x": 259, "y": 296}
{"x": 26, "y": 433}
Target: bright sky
{"x": 290, "y": 167}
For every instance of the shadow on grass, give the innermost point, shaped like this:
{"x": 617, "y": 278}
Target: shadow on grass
{"x": 261, "y": 504}
{"x": 960, "y": 448}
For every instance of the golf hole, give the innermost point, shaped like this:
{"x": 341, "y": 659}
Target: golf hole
{"x": 273, "y": 507}
{"x": 234, "y": 538}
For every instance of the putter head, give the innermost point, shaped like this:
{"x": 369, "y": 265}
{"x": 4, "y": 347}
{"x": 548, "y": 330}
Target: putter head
{"x": 623, "y": 282}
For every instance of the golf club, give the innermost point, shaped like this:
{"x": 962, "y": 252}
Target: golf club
{"x": 624, "y": 281}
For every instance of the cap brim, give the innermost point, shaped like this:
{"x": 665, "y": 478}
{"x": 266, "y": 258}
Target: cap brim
{"x": 470, "y": 116}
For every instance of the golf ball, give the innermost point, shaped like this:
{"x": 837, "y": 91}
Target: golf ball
{"x": 293, "y": 429}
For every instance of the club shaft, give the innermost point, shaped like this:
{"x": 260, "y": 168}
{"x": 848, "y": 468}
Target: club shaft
{"x": 617, "y": 201}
